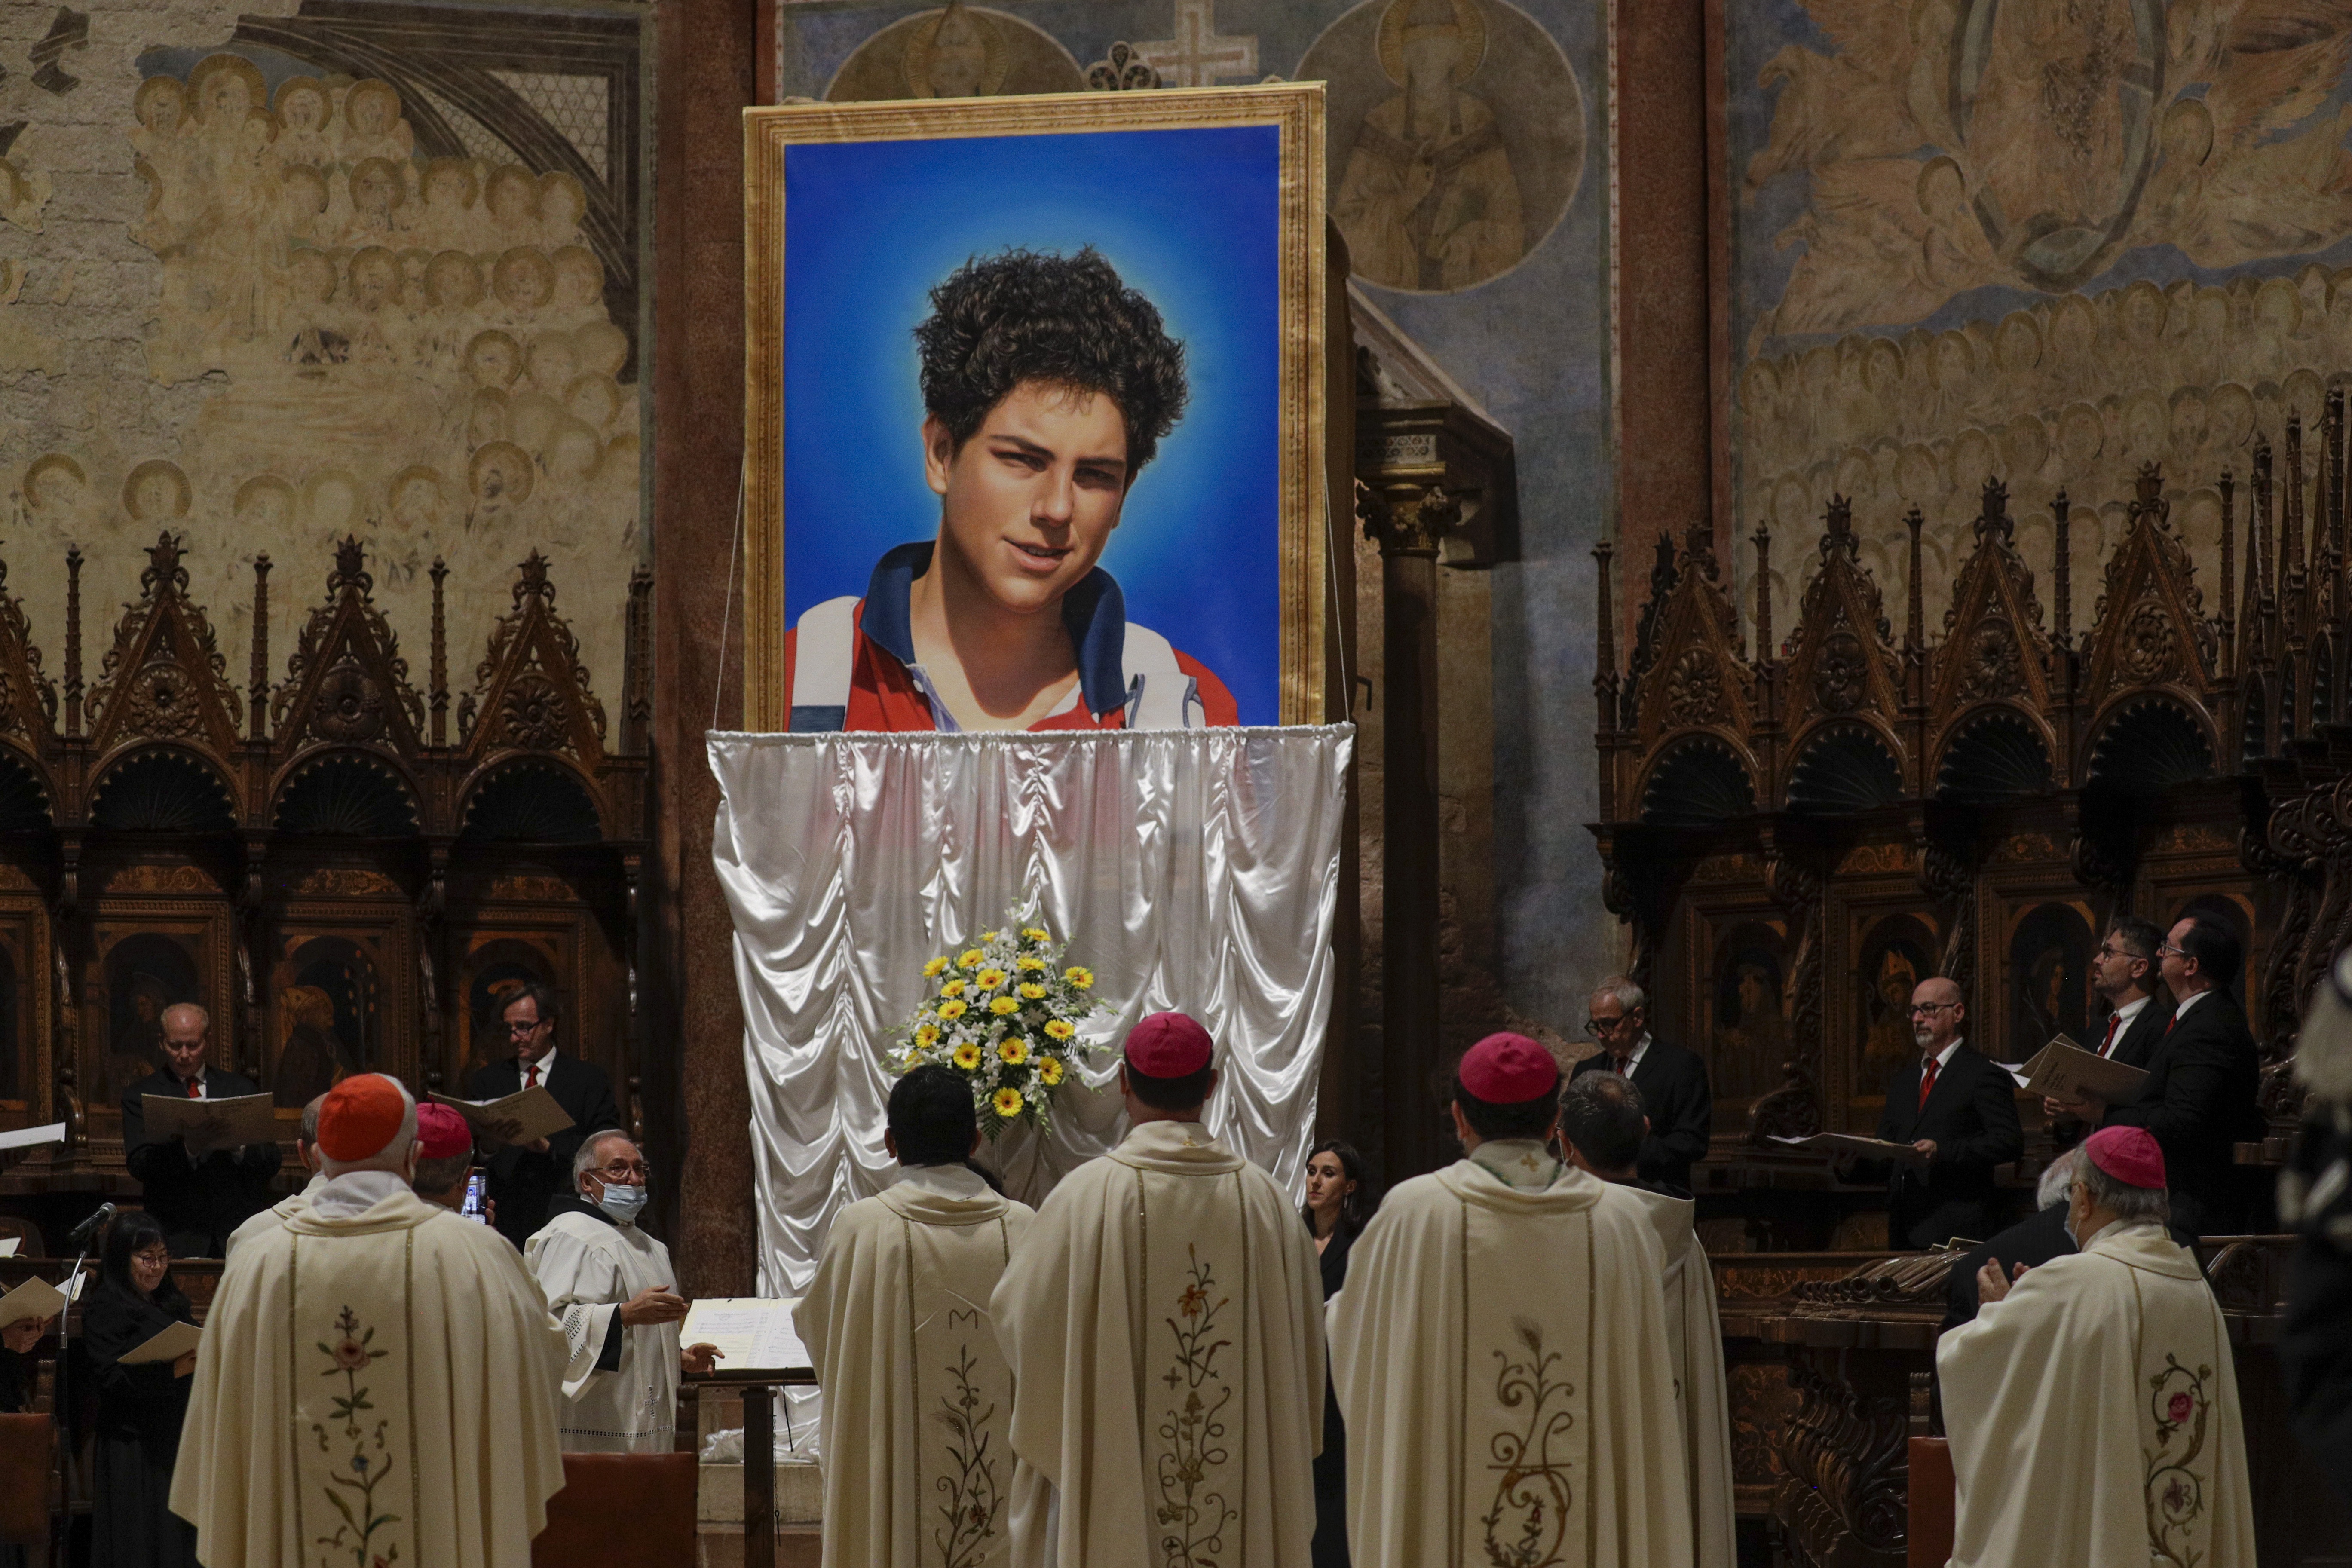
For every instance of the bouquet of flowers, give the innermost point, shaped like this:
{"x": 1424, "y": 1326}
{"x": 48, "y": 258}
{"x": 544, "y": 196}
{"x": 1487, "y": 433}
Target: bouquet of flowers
{"x": 1005, "y": 1013}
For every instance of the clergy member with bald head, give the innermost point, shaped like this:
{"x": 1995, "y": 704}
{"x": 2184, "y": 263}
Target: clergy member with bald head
{"x": 378, "y": 1378}
{"x": 1958, "y": 1110}
{"x": 1501, "y": 1356}
{"x": 1163, "y": 1324}
{"x": 2092, "y": 1405}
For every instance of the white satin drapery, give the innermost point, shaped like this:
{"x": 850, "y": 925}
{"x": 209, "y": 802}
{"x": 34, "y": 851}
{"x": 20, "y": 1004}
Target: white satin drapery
{"x": 1190, "y": 869}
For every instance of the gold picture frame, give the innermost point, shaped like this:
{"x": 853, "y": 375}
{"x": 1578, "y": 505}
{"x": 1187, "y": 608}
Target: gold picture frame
{"x": 1294, "y": 109}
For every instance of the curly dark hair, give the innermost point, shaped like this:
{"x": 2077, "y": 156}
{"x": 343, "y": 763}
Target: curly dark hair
{"x": 1069, "y": 321}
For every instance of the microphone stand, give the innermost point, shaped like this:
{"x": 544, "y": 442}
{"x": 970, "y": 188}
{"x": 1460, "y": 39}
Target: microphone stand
{"x": 61, "y": 1406}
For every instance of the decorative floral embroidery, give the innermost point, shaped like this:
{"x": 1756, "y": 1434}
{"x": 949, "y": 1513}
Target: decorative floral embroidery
{"x": 2175, "y": 1494}
{"x": 1192, "y": 1513}
{"x": 968, "y": 1516}
{"x": 1529, "y": 1523}
{"x": 354, "y": 1496}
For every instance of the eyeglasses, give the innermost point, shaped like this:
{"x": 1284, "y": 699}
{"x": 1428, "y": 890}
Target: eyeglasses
{"x": 2168, "y": 947}
{"x": 1920, "y": 1007}
{"x": 157, "y": 1259}
{"x": 620, "y": 1172}
{"x": 525, "y": 1025}
{"x": 1607, "y": 1025}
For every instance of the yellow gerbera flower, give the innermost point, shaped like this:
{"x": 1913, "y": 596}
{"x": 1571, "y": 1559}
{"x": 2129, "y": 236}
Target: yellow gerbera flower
{"x": 1060, "y": 1028}
{"x": 1030, "y": 962}
{"x": 935, "y": 968}
{"x": 953, "y": 988}
{"x": 967, "y": 1056}
{"x": 926, "y": 1034}
{"x": 989, "y": 979}
{"x": 951, "y": 1010}
{"x": 1081, "y": 978}
{"x": 1007, "y": 1103}
{"x": 1003, "y": 1005}
{"x": 1036, "y": 933}
{"x": 990, "y": 935}
{"x": 1014, "y": 1050}
{"x": 972, "y": 959}
{"x": 1049, "y": 1073}
{"x": 1033, "y": 992}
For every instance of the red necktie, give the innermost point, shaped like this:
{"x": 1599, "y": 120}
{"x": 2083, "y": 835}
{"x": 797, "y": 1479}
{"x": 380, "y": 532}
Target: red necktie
{"x": 530, "y": 1076}
{"x": 1928, "y": 1081}
{"x": 196, "y": 1090}
{"x": 2170, "y": 1022}
{"x": 2108, "y": 1044}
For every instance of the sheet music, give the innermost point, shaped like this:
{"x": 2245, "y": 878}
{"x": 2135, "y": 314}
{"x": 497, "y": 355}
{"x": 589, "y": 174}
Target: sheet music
{"x": 170, "y": 1345}
{"x": 33, "y": 1298}
{"x": 753, "y": 1334}
{"x": 210, "y": 1124}
{"x": 33, "y": 1138}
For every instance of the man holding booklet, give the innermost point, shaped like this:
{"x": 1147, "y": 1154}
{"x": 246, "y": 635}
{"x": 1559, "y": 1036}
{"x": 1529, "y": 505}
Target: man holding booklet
{"x": 2198, "y": 1097}
{"x": 1958, "y": 1114}
{"x": 199, "y": 1186}
{"x": 529, "y": 1174}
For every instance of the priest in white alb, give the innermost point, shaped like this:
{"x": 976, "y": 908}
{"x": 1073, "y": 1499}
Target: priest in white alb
{"x": 1602, "y": 1125}
{"x": 1501, "y": 1357}
{"x": 377, "y": 1378}
{"x": 1163, "y": 1323}
{"x": 612, "y": 1288}
{"x": 2092, "y": 1406}
{"x": 917, "y": 1467}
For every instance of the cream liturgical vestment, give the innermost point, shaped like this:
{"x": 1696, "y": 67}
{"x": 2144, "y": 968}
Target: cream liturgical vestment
{"x": 2093, "y": 1415}
{"x": 1163, "y": 1322}
{"x": 375, "y": 1386}
{"x": 276, "y": 1214}
{"x": 1501, "y": 1358}
{"x": 589, "y": 1266}
{"x": 1694, "y": 1342}
{"x": 918, "y": 1468}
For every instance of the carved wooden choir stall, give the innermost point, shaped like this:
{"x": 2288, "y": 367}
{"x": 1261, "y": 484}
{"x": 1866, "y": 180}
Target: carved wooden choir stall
{"x": 342, "y": 879}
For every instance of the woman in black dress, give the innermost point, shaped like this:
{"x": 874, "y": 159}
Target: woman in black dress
{"x": 140, "y": 1408}
{"x": 1339, "y": 1201}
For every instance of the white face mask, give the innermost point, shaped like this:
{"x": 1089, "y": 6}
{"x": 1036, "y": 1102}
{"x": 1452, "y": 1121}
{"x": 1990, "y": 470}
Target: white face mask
{"x": 621, "y": 1203}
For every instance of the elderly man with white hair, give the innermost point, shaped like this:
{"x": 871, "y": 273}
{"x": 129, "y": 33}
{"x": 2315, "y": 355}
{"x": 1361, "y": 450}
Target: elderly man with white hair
{"x": 613, "y": 1287}
{"x": 2092, "y": 1405}
{"x": 377, "y": 1378}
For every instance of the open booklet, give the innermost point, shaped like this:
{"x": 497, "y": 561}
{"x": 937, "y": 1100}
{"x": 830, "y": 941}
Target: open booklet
{"x": 211, "y": 1124}
{"x": 168, "y": 1344}
{"x": 1852, "y": 1143}
{"x": 753, "y": 1334}
{"x": 533, "y": 1111}
{"x": 33, "y": 1298}
{"x": 2061, "y": 1068}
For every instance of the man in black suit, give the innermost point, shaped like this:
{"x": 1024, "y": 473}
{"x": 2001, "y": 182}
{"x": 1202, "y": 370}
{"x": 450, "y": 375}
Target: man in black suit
{"x": 197, "y": 1200}
{"x": 1959, "y": 1111}
{"x": 2124, "y": 972}
{"x": 526, "y": 1178}
{"x": 1673, "y": 1081}
{"x": 2199, "y": 1098}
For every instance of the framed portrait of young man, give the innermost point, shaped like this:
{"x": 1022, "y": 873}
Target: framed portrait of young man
{"x": 1036, "y": 412}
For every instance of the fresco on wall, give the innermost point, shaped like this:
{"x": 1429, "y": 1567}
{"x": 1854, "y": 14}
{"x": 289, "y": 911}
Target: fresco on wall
{"x": 2049, "y": 981}
{"x": 1467, "y": 174}
{"x": 2049, "y": 242}
{"x": 273, "y": 275}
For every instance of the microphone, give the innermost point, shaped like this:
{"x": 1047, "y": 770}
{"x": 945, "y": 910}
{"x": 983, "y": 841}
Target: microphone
{"x": 90, "y": 1226}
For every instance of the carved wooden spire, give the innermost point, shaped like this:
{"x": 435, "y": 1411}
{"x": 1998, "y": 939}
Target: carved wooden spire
{"x": 2291, "y": 569}
{"x": 260, "y": 687}
{"x": 1763, "y": 537}
{"x": 2229, "y": 578}
{"x": 73, "y": 640}
{"x": 1604, "y": 659}
{"x": 2061, "y": 576}
{"x": 2261, "y": 521}
{"x": 440, "y": 570}
{"x": 1915, "y": 597}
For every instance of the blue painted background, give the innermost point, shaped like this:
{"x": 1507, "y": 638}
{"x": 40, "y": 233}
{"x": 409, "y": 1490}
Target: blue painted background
{"x": 1189, "y": 218}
